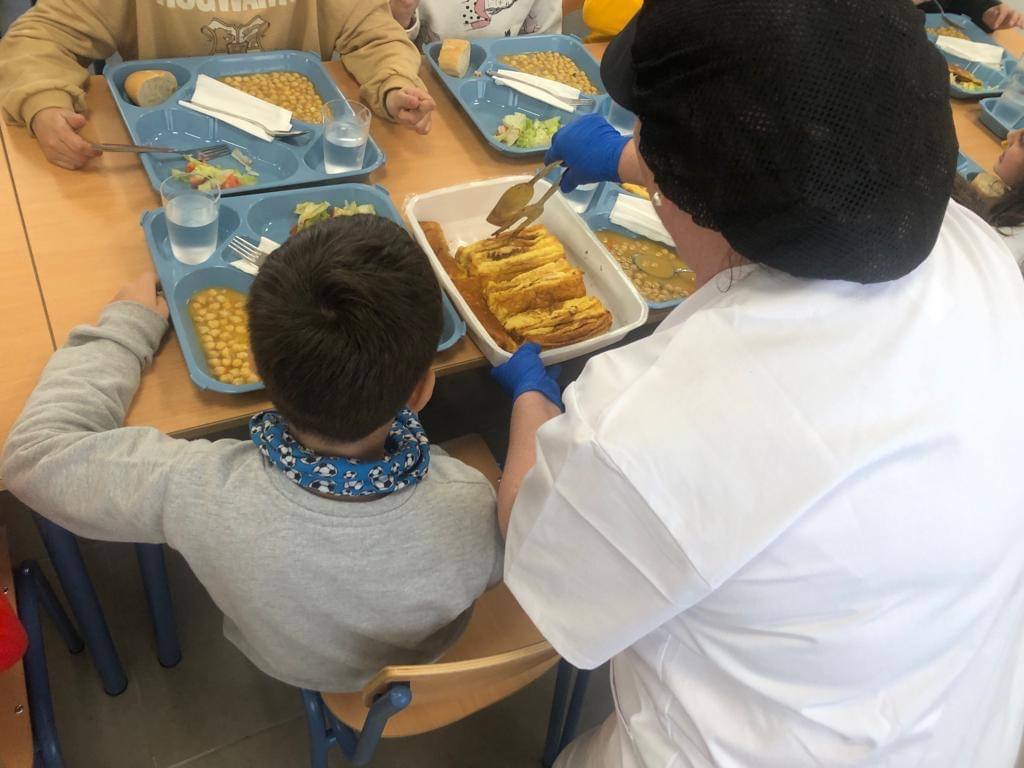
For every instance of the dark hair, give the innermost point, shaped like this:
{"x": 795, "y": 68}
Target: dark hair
{"x": 1004, "y": 211}
{"x": 344, "y": 320}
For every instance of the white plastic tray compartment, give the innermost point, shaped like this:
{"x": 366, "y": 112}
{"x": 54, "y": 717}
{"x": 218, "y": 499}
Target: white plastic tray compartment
{"x": 461, "y": 211}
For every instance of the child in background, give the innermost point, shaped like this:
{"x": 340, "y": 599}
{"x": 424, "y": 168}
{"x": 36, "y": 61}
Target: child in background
{"x": 1003, "y": 210}
{"x": 427, "y": 21}
{"x": 337, "y": 540}
{"x": 44, "y": 56}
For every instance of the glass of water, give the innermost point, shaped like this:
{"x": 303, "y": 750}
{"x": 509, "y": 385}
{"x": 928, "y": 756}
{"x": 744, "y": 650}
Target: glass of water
{"x": 191, "y": 219}
{"x": 346, "y": 130}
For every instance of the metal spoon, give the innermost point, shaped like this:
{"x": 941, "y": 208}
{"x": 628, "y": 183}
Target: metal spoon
{"x": 514, "y": 200}
{"x": 660, "y": 274}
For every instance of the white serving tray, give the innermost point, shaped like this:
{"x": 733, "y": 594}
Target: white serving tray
{"x": 461, "y": 212}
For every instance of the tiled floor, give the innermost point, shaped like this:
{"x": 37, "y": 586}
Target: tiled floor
{"x": 215, "y": 710}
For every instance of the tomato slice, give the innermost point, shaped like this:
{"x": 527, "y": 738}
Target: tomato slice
{"x": 190, "y": 167}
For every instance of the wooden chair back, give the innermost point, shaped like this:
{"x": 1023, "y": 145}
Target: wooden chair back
{"x": 500, "y": 652}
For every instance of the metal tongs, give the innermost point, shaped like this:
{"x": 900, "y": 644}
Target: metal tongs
{"x": 514, "y": 203}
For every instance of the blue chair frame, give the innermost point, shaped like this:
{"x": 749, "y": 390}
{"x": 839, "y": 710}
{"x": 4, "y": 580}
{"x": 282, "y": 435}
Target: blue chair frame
{"x": 33, "y": 591}
{"x": 563, "y": 722}
{"x": 325, "y": 730}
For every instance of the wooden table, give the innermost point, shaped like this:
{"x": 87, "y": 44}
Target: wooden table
{"x": 25, "y": 341}
{"x": 86, "y": 239}
{"x": 976, "y": 141}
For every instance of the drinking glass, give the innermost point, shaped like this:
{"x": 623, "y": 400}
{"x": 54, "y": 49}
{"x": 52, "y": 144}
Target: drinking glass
{"x": 346, "y": 130}
{"x": 191, "y": 219}
{"x": 1009, "y": 109}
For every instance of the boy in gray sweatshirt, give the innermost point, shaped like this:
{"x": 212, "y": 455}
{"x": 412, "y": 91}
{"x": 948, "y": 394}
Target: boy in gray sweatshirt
{"x": 337, "y": 540}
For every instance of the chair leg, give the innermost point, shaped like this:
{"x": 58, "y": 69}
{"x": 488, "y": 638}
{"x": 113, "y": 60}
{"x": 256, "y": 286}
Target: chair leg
{"x": 391, "y": 703}
{"x": 563, "y": 683}
{"x": 153, "y": 567}
{"x": 317, "y": 724}
{"x": 85, "y": 605}
{"x": 572, "y": 717}
{"x": 52, "y": 607}
{"x": 37, "y": 683}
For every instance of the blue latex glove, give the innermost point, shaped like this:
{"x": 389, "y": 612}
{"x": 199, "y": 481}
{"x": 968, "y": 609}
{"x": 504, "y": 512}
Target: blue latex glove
{"x": 590, "y": 149}
{"x": 526, "y": 373}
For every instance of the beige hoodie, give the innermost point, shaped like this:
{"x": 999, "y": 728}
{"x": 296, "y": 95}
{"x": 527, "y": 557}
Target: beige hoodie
{"x": 45, "y": 54}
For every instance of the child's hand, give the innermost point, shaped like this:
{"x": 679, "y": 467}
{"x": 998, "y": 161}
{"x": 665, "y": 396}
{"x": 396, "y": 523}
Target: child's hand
{"x": 1002, "y": 16}
{"x": 412, "y": 107}
{"x": 524, "y": 372}
{"x": 403, "y": 11}
{"x": 57, "y": 132}
{"x": 143, "y": 290}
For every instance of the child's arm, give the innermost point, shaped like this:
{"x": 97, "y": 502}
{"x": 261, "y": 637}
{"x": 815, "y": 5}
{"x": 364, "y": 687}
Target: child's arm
{"x": 544, "y": 19}
{"x": 43, "y": 68}
{"x": 66, "y": 456}
{"x": 378, "y": 53}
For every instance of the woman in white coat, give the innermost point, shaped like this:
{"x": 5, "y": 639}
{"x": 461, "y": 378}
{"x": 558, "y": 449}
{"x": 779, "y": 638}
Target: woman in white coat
{"x": 792, "y": 517}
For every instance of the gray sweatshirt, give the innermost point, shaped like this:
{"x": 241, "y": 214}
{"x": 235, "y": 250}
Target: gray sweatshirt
{"x": 317, "y": 592}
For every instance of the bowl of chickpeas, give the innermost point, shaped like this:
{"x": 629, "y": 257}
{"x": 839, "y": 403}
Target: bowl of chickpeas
{"x": 211, "y": 321}
{"x": 289, "y": 90}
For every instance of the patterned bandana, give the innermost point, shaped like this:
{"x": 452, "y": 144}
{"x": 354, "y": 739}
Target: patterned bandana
{"x": 405, "y": 463}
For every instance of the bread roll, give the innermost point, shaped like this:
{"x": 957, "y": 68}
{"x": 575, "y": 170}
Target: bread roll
{"x": 149, "y": 87}
{"x": 454, "y": 57}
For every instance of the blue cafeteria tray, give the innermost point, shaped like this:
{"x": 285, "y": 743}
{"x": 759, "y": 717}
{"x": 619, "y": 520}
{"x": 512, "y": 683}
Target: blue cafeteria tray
{"x": 993, "y": 79}
{"x": 269, "y": 215}
{"x": 1000, "y": 124}
{"x": 487, "y": 103}
{"x": 280, "y": 163}
{"x": 598, "y": 217}
{"x": 966, "y": 167}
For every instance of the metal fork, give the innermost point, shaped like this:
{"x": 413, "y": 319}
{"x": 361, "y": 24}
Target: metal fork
{"x": 248, "y": 251}
{"x": 236, "y": 116}
{"x": 203, "y": 154}
{"x": 946, "y": 18}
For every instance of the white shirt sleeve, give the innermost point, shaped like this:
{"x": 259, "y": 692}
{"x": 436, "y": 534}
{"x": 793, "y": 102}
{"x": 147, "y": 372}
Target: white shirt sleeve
{"x": 589, "y": 562}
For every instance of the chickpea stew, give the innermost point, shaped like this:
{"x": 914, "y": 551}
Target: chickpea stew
{"x": 647, "y": 263}
{"x": 222, "y": 327}
{"x": 288, "y": 90}
{"x": 553, "y": 66}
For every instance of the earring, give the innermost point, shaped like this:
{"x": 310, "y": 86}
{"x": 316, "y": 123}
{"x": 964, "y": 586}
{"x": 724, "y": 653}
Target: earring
{"x": 656, "y": 199}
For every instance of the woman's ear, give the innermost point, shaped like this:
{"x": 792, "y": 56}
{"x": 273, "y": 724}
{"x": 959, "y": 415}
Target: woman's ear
{"x": 422, "y": 392}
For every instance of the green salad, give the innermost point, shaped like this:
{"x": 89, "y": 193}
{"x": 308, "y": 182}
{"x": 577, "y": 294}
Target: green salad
{"x": 519, "y": 130}
{"x": 313, "y": 213}
{"x": 204, "y": 175}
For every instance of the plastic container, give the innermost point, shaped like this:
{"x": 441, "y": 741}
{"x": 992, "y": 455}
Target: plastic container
{"x": 252, "y": 216}
{"x": 281, "y": 163}
{"x": 461, "y": 212}
{"x": 999, "y": 123}
{"x": 487, "y": 103}
{"x": 598, "y": 217}
{"x": 994, "y": 80}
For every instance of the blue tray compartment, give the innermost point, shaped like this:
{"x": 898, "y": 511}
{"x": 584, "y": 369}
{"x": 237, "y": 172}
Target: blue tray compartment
{"x": 994, "y": 80}
{"x": 598, "y": 217}
{"x": 966, "y": 167}
{"x": 1000, "y": 125}
{"x": 487, "y": 103}
{"x": 281, "y": 163}
{"x": 252, "y": 216}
